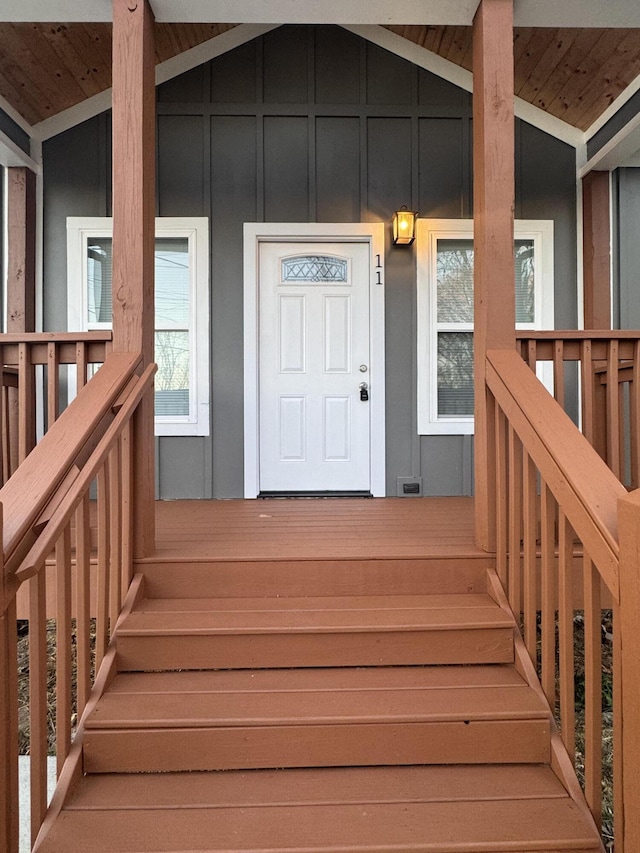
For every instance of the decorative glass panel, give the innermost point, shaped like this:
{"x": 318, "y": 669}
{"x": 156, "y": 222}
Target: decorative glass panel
{"x": 455, "y": 373}
{"x": 172, "y": 283}
{"x": 314, "y": 268}
{"x": 172, "y": 378}
{"x": 455, "y": 281}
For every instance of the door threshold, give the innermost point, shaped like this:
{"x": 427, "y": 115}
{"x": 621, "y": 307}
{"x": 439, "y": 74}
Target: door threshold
{"x": 311, "y": 494}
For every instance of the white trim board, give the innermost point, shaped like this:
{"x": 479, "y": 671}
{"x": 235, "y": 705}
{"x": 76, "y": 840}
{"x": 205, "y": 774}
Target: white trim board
{"x": 12, "y": 155}
{"x": 458, "y": 76}
{"x": 618, "y": 151}
{"x": 527, "y": 13}
{"x": 164, "y": 71}
{"x": 458, "y": 12}
{"x": 257, "y": 232}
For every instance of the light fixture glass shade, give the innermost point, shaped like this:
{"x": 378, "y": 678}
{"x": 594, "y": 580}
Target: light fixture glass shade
{"x": 404, "y": 227}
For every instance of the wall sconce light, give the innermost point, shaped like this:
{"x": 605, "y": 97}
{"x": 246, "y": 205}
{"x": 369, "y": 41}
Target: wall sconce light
{"x": 404, "y": 227}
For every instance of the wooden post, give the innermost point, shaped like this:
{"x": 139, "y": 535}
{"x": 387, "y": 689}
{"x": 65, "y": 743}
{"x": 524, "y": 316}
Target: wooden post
{"x": 596, "y": 231}
{"x": 134, "y": 230}
{"x": 9, "y": 807}
{"x": 21, "y": 290}
{"x": 21, "y": 250}
{"x": 493, "y": 191}
{"x": 627, "y": 826}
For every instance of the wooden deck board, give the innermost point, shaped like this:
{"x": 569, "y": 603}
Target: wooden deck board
{"x": 320, "y": 785}
{"x": 554, "y": 824}
{"x": 316, "y": 528}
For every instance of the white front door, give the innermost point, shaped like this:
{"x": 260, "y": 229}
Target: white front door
{"x": 315, "y": 421}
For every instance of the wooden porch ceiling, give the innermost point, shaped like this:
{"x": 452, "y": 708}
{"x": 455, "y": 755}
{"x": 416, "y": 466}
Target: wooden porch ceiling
{"x": 573, "y": 74}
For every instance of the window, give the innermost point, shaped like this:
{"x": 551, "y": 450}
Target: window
{"x": 181, "y": 310}
{"x": 445, "y": 313}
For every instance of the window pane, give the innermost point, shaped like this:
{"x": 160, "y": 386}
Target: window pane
{"x": 99, "y": 270}
{"x": 172, "y": 283}
{"x": 525, "y": 297}
{"x": 455, "y": 373}
{"x": 172, "y": 378}
{"x": 455, "y": 281}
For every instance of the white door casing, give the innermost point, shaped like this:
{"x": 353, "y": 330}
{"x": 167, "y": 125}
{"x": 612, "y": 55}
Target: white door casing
{"x": 306, "y": 427}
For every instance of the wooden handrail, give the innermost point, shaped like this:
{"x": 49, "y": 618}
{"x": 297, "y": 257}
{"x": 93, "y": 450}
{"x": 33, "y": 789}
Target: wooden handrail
{"x": 26, "y": 494}
{"x": 38, "y": 343}
{"x": 601, "y": 392}
{"x": 80, "y": 482}
{"x": 561, "y": 509}
{"x": 46, "y": 508}
{"x": 580, "y": 481}
{"x": 40, "y": 370}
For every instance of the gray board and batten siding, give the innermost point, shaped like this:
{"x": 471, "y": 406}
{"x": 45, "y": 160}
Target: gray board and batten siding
{"x": 308, "y": 124}
{"x": 626, "y": 247}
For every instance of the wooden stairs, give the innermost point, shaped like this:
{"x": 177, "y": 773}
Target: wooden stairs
{"x": 337, "y": 721}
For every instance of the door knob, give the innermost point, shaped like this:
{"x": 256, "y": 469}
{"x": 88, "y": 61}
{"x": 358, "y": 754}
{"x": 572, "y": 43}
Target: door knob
{"x": 364, "y": 391}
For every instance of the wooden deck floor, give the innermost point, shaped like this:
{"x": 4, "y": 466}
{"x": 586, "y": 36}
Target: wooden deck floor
{"x": 316, "y": 528}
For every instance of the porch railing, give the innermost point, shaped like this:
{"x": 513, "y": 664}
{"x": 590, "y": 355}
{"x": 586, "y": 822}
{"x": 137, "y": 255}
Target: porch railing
{"x": 41, "y": 371}
{"x": 556, "y": 498}
{"x": 595, "y": 379}
{"x": 47, "y": 497}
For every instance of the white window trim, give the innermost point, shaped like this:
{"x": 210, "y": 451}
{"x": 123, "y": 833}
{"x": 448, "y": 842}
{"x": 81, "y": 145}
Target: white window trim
{"x": 429, "y": 231}
{"x": 196, "y": 230}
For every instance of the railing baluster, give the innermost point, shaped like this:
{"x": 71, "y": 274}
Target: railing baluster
{"x": 502, "y": 485}
{"x": 53, "y": 383}
{"x": 26, "y": 413}
{"x": 126, "y": 460}
{"x": 81, "y": 364}
{"x": 634, "y": 417}
{"x": 83, "y": 603}
{"x": 586, "y": 387}
{"x": 592, "y": 689}
{"x": 613, "y": 410}
{"x": 618, "y": 736}
{"x": 38, "y": 739}
{"x": 9, "y": 792}
{"x": 530, "y": 529}
{"x": 102, "y": 614}
{"x": 515, "y": 518}
{"x": 558, "y": 372}
{"x": 565, "y": 633}
{"x": 115, "y": 544}
{"x": 63, "y": 647}
{"x": 548, "y": 615}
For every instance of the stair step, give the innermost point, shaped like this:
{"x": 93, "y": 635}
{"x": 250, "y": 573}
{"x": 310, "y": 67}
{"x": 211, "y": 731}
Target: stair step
{"x": 405, "y": 715}
{"x": 426, "y": 809}
{"x": 345, "y": 576}
{"x": 201, "y": 633}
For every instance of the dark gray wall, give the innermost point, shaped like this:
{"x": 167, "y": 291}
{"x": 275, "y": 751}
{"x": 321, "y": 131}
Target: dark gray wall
{"x": 614, "y": 125}
{"x": 15, "y": 132}
{"x": 626, "y": 248}
{"x": 309, "y": 124}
